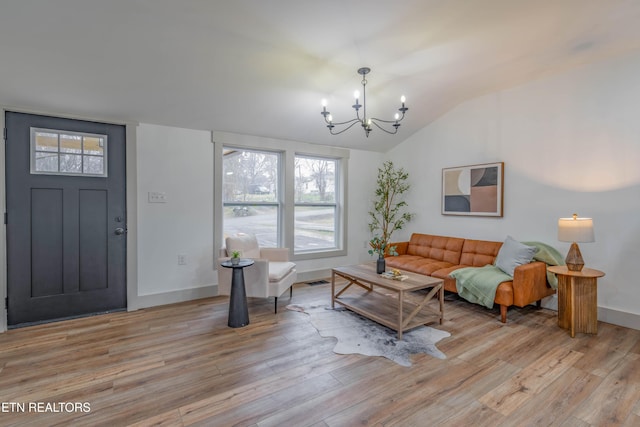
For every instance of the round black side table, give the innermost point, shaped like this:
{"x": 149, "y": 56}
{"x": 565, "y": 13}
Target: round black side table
{"x": 238, "y": 311}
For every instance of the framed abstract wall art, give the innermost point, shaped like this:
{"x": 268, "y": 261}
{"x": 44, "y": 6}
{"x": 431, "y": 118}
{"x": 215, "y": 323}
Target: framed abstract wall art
{"x": 475, "y": 190}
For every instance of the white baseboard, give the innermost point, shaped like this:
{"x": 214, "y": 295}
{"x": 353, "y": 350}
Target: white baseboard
{"x": 605, "y": 314}
{"x": 620, "y": 318}
{"x": 550, "y": 302}
{"x": 152, "y": 300}
{"x": 310, "y": 276}
{"x": 164, "y": 298}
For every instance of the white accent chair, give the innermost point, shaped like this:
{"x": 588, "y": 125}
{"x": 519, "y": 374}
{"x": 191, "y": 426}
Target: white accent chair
{"x": 271, "y": 274}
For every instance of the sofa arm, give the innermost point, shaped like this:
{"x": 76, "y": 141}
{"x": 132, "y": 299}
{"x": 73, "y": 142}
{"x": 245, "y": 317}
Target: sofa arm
{"x": 530, "y": 283}
{"x": 401, "y": 247}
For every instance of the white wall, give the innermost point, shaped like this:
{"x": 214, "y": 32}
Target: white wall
{"x": 570, "y": 143}
{"x": 179, "y": 163}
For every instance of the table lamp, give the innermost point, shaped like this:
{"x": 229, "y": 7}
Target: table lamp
{"x": 575, "y": 230}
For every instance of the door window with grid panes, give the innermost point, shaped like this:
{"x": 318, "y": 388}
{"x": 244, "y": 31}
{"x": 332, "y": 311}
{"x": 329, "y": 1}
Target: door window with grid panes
{"x": 57, "y": 152}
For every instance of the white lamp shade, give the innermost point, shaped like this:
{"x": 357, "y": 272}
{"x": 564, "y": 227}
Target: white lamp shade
{"x": 578, "y": 230}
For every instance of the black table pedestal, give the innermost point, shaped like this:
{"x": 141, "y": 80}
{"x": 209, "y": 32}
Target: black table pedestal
{"x": 238, "y": 310}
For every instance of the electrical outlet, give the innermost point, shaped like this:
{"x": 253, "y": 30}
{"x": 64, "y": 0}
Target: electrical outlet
{"x": 182, "y": 259}
{"x": 157, "y": 197}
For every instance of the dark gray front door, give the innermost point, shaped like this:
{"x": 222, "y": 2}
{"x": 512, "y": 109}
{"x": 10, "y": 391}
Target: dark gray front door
{"x": 66, "y": 217}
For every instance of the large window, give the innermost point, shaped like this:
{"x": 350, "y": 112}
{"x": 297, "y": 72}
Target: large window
{"x": 288, "y": 193}
{"x": 250, "y": 194}
{"x": 315, "y": 204}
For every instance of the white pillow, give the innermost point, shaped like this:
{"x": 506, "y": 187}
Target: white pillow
{"x": 512, "y": 254}
{"x": 246, "y": 244}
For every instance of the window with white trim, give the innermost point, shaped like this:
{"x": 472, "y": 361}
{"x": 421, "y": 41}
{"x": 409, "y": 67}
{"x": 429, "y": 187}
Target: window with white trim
{"x": 315, "y": 211}
{"x": 58, "y": 152}
{"x": 289, "y": 194}
{"x": 250, "y": 194}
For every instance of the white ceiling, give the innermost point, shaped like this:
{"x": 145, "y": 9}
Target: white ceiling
{"x": 262, "y": 67}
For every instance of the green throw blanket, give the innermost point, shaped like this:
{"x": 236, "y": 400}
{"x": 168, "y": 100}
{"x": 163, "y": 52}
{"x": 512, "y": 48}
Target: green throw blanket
{"x": 478, "y": 284}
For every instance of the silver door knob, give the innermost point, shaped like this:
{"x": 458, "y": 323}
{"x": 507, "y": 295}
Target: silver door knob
{"x": 119, "y": 231}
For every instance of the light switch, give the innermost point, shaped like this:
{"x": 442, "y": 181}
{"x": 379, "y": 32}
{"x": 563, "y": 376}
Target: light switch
{"x": 157, "y": 197}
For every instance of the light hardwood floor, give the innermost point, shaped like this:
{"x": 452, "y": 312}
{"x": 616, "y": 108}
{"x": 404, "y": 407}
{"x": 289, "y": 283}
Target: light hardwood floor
{"x": 181, "y": 365}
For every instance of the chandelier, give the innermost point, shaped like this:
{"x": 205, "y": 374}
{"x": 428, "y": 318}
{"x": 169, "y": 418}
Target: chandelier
{"x": 364, "y": 121}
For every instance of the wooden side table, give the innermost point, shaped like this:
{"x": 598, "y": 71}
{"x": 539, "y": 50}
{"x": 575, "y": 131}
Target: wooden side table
{"x": 577, "y": 299}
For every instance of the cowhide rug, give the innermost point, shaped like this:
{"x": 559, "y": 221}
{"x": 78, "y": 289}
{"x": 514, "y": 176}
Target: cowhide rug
{"x": 357, "y": 334}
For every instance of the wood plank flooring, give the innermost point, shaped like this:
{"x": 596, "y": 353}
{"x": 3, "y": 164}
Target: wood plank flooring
{"x": 180, "y": 365}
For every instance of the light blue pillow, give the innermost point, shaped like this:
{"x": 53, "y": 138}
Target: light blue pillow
{"x": 512, "y": 254}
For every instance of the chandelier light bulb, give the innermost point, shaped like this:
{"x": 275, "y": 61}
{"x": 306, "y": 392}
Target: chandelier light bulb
{"x": 356, "y": 94}
{"x": 324, "y": 102}
{"x": 397, "y": 116}
{"x": 330, "y": 118}
{"x": 403, "y": 99}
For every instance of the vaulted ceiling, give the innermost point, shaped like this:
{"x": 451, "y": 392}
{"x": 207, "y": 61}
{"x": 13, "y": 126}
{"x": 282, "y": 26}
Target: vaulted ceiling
{"x": 261, "y": 67}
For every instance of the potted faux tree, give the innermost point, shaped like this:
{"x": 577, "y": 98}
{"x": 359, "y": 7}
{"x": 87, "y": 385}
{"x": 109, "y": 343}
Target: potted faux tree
{"x": 388, "y": 213}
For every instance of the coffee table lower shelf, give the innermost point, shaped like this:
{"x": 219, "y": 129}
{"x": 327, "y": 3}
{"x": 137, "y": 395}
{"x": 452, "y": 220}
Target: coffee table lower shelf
{"x": 384, "y": 310}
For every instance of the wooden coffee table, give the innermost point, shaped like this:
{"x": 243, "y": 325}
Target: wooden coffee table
{"x": 389, "y": 305}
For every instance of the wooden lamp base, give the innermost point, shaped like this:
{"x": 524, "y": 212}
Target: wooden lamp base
{"x": 574, "y": 258}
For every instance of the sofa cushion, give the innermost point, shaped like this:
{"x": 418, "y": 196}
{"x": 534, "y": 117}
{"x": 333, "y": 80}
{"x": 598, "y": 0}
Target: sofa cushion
{"x": 438, "y": 248}
{"x": 416, "y": 264}
{"x": 277, "y": 270}
{"x": 478, "y": 253}
{"x": 512, "y": 254}
{"x": 449, "y": 282}
{"x": 246, "y": 244}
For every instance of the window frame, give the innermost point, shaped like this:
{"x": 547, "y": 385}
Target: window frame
{"x": 33, "y": 151}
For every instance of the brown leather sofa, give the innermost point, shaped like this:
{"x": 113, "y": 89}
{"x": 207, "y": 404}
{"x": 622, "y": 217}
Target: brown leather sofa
{"x": 438, "y": 256}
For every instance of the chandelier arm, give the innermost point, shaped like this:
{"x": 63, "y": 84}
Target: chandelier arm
{"x": 343, "y": 130}
{"x": 352, "y": 121}
{"x": 383, "y": 129}
{"x": 358, "y": 116}
{"x": 387, "y": 121}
